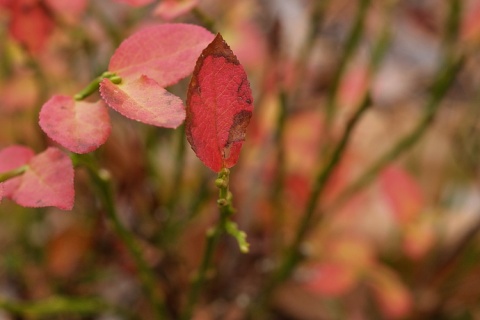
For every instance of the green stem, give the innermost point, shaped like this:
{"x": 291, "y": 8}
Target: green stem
{"x": 293, "y": 255}
{"x": 93, "y": 86}
{"x": 102, "y": 180}
{"x": 224, "y": 225}
{"x": 178, "y": 172}
{"x": 352, "y": 43}
{"x": 443, "y": 82}
{"x": 279, "y": 176}
{"x": 4, "y": 176}
{"x": 56, "y": 306}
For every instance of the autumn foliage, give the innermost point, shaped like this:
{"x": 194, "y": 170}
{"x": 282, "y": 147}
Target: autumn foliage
{"x": 185, "y": 159}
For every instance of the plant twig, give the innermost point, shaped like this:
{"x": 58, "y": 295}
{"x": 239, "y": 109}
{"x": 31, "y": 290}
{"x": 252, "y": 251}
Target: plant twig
{"x": 443, "y": 82}
{"x": 352, "y": 42}
{"x": 224, "y": 225}
{"x": 102, "y": 180}
{"x": 293, "y": 255}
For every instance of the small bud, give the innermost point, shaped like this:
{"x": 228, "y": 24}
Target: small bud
{"x": 220, "y": 183}
{"x": 116, "y": 79}
{"x": 222, "y": 202}
{"x": 107, "y": 74}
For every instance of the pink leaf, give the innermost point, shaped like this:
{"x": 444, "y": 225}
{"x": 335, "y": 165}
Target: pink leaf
{"x": 79, "y": 126}
{"x": 30, "y": 24}
{"x": 402, "y": 193}
{"x": 165, "y": 53}
{"x": 47, "y": 182}
{"x": 14, "y": 156}
{"x": 70, "y": 10}
{"x": 219, "y": 106}
{"x": 135, "y": 3}
{"x": 332, "y": 279}
{"x": 171, "y": 9}
{"x": 11, "y": 158}
{"x": 145, "y": 101}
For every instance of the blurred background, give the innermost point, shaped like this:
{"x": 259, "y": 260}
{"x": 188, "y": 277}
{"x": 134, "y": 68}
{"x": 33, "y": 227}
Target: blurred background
{"x": 394, "y": 232}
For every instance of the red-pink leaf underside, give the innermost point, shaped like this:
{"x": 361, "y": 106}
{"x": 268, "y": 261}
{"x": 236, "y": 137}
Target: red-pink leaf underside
{"x": 145, "y": 101}
{"x": 47, "y": 182}
{"x": 219, "y": 106}
{"x": 11, "y": 158}
{"x": 165, "y": 53}
{"x": 79, "y": 126}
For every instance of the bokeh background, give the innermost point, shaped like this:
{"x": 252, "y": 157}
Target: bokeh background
{"x": 394, "y": 233}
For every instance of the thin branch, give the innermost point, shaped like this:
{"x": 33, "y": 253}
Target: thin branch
{"x": 102, "y": 180}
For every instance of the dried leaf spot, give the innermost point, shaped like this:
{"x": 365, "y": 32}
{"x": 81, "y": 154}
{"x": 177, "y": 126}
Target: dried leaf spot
{"x": 239, "y": 126}
{"x": 237, "y": 130}
{"x": 243, "y": 92}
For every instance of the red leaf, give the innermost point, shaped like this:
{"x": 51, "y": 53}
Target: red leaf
{"x": 165, "y": 53}
{"x": 47, "y": 182}
{"x": 171, "y": 9}
{"x": 11, "y": 158}
{"x": 30, "y": 24}
{"x": 79, "y": 126}
{"x": 219, "y": 106}
{"x": 145, "y": 101}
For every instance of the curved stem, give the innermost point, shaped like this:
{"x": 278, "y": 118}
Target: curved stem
{"x": 102, "y": 180}
{"x": 93, "y": 86}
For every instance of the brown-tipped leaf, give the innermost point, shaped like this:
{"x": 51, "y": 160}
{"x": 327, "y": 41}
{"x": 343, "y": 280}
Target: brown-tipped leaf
{"x": 219, "y": 106}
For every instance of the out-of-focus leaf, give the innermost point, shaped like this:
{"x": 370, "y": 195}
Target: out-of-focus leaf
{"x": 219, "y": 106}
{"x": 30, "y": 24}
{"x": 332, "y": 279}
{"x": 66, "y": 250}
{"x": 79, "y": 126}
{"x": 135, "y": 3}
{"x": 171, "y": 9}
{"x": 144, "y": 100}
{"x": 71, "y": 10}
{"x": 394, "y": 300}
{"x": 19, "y": 93}
{"x": 402, "y": 193}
